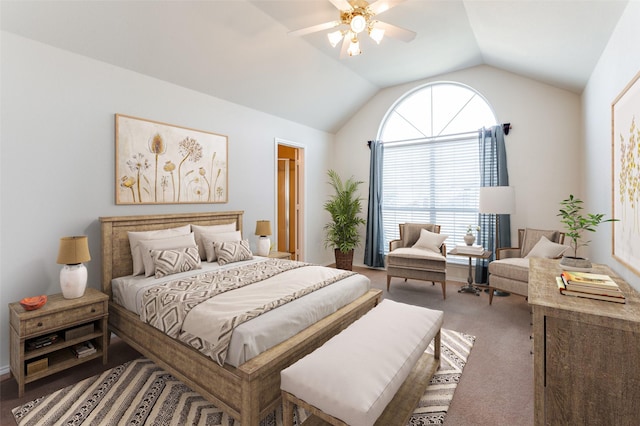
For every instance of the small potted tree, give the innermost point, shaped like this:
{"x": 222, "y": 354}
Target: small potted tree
{"x": 344, "y": 206}
{"x": 575, "y": 224}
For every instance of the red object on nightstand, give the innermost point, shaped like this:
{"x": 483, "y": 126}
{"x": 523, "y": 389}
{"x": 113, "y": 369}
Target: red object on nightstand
{"x": 33, "y": 303}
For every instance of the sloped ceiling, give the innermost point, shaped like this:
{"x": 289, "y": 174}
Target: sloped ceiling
{"x": 239, "y": 50}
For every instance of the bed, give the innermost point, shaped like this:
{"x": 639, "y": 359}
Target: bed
{"x": 248, "y": 392}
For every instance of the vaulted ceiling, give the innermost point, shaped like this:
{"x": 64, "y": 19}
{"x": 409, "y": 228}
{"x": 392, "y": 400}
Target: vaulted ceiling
{"x": 239, "y": 50}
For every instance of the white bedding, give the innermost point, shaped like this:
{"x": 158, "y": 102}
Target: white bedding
{"x": 261, "y": 333}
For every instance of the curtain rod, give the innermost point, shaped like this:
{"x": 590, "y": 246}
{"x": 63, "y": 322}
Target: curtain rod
{"x": 505, "y": 128}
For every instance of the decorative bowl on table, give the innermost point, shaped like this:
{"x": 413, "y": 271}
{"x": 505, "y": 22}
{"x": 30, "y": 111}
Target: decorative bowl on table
{"x": 33, "y": 303}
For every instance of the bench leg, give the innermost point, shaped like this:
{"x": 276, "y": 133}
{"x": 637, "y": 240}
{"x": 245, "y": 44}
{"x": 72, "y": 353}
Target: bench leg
{"x": 436, "y": 346}
{"x": 287, "y": 410}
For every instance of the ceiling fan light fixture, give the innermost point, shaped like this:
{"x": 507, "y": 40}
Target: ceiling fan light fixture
{"x": 358, "y": 24}
{"x": 358, "y": 16}
{"x": 354, "y": 47}
{"x": 376, "y": 34}
{"x": 335, "y": 37}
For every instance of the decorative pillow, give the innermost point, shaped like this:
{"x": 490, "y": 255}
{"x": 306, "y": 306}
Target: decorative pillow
{"x": 430, "y": 241}
{"x": 411, "y": 232}
{"x": 208, "y": 240}
{"x": 232, "y": 251}
{"x": 136, "y": 236}
{"x": 546, "y": 248}
{"x": 169, "y": 262}
{"x": 177, "y": 242}
{"x": 532, "y": 236}
{"x": 199, "y": 230}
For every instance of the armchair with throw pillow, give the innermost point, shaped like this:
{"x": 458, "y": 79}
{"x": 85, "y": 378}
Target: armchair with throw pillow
{"x": 419, "y": 254}
{"x": 510, "y": 271}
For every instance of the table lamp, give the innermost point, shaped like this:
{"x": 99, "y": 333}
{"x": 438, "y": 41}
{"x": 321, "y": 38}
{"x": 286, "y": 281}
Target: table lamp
{"x": 263, "y": 229}
{"x": 72, "y": 253}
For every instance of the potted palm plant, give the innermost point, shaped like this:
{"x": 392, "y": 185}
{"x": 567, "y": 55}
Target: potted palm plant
{"x": 575, "y": 224}
{"x": 344, "y": 206}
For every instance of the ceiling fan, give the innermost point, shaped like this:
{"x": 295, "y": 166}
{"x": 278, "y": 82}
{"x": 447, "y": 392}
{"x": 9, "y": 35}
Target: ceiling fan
{"x": 357, "y": 16}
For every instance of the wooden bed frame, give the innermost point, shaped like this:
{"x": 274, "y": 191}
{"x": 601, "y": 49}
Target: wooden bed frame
{"x": 248, "y": 392}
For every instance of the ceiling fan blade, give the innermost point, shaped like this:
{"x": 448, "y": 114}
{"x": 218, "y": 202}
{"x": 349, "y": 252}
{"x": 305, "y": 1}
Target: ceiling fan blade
{"x": 395, "y": 32}
{"x": 314, "y": 28}
{"x": 342, "y": 4}
{"x": 383, "y": 5}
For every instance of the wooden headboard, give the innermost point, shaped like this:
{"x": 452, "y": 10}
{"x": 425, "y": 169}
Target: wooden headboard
{"x": 116, "y": 251}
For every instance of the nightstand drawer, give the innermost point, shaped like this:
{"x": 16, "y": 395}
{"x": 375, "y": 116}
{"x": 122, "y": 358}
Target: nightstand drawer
{"x": 61, "y": 319}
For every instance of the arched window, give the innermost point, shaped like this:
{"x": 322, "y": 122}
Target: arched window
{"x": 431, "y": 171}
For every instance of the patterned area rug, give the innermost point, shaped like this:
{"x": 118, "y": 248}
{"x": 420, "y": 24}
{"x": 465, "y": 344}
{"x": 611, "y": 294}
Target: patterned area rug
{"x": 141, "y": 393}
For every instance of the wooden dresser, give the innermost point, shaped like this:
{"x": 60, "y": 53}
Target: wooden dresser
{"x": 586, "y": 353}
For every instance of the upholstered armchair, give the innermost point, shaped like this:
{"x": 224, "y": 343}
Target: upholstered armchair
{"x": 510, "y": 271}
{"x": 419, "y": 254}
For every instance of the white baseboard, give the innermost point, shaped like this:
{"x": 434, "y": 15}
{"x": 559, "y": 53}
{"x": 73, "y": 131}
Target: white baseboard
{"x": 4, "y": 371}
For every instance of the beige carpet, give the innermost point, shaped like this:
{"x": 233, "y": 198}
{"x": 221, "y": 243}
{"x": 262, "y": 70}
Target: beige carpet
{"x": 141, "y": 393}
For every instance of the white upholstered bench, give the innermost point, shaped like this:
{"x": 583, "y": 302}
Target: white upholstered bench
{"x": 373, "y": 372}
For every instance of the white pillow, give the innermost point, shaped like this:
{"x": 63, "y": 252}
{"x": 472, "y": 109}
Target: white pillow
{"x": 208, "y": 241}
{"x": 209, "y": 229}
{"x": 169, "y": 262}
{"x": 177, "y": 242}
{"x": 136, "y": 236}
{"x": 232, "y": 251}
{"x": 546, "y": 249}
{"x": 430, "y": 241}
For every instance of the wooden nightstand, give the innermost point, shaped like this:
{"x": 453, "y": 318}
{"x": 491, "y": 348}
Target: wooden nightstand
{"x": 280, "y": 255}
{"x": 73, "y": 321}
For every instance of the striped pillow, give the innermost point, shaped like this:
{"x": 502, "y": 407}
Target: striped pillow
{"x": 169, "y": 262}
{"x": 232, "y": 251}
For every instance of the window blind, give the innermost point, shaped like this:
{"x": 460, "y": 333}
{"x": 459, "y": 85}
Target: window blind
{"x": 432, "y": 181}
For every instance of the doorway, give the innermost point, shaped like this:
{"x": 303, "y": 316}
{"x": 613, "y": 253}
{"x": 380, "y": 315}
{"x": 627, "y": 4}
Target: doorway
{"x": 290, "y": 193}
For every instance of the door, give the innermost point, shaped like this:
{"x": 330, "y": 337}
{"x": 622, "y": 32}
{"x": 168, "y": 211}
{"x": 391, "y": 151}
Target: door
{"x": 290, "y": 210}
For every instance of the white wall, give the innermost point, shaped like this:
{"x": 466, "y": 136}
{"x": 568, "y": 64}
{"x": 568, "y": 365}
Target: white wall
{"x": 58, "y": 160}
{"x": 546, "y": 133}
{"x": 617, "y": 66}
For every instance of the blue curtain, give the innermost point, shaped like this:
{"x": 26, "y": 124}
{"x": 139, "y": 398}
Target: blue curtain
{"x": 493, "y": 172}
{"x": 373, "y": 249}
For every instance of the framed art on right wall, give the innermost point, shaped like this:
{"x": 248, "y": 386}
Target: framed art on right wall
{"x": 625, "y": 143}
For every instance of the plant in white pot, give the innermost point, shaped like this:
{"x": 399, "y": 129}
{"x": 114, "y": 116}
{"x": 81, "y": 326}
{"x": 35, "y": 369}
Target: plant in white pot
{"x": 575, "y": 224}
{"x": 469, "y": 238}
{"x": 344, "y": 206}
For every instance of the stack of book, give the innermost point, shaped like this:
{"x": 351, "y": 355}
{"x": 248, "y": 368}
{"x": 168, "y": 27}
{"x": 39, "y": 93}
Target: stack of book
{"x": 592, "y": 286}
{"x": 83, "y": 349}
{"x": 40, "y": 342}
{"x": 473, "y": 249}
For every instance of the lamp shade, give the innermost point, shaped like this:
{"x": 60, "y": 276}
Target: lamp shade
{"x": 263, "y": 228}
{"x": 497, "y": 200}
{"x": 73, "y": 250}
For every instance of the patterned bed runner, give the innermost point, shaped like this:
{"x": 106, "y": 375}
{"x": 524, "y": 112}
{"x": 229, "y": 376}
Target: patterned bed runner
{"x": 166, "y": 306}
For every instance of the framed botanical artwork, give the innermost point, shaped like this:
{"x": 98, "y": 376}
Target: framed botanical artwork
{"x": 625, "y": 132}
{"x": 159, "y": 163}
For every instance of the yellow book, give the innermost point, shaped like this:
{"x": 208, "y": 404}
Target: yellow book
{"x": 566, "y": 292}
{"x": 587, "y": 278}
